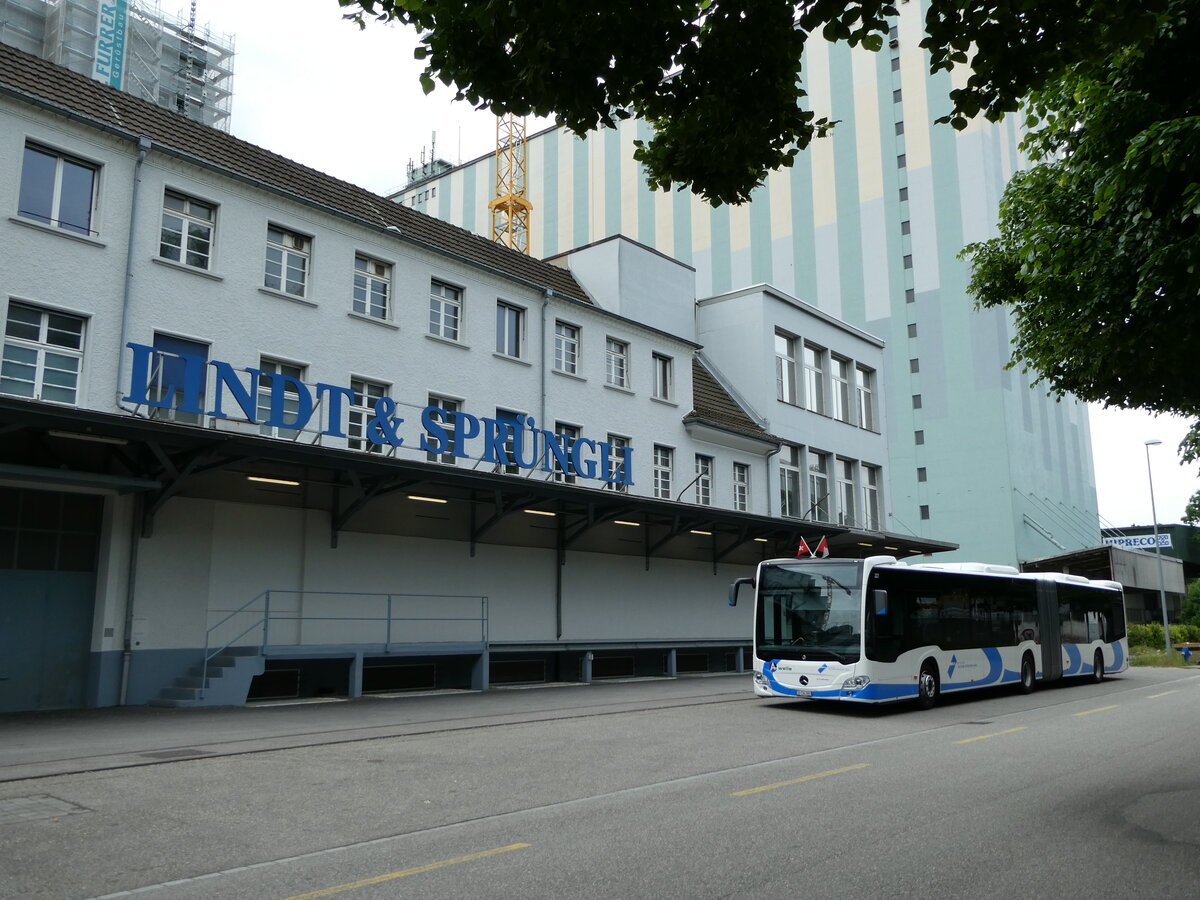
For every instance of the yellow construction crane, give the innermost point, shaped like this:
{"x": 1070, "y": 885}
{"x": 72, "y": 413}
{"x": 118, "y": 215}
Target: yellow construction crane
{"x": 511, "y": 209}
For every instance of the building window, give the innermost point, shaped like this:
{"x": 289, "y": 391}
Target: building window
{"x": 372, "y": 287}
{"x": 43, "y": 351}
{"x": 901, "y": 161}
{"x": 814, "y": 378}
{"x": 846, "y": 514}
{"x": 168, "y": 381}
{"x": 870, "y": 492}
{"x": 897, "y": 96}
{"x": 903, "y": 194}
{"x": 916, "y": 401}
{"x": 910, "y": 295}
{"x": 187, "y": 230}
{"x": 914, "y": 366}
{"x": 57, "y": 190}
{"x": 908, "y": 261}
{"x": 906, "y": 227}
{"x": 818, "y": 486}
{"x": 664, "y": 463}
{"x": 919, "y": 437}
{"x": 664, "y": 377}
{"x": 288, "y": 404}
{"x": 445, "y": 310}
{"x": 287, "y": 261}
{"x": 922, "y": 474}
{"x": 896, "y": 66}
{"x": 510, "y": 421}
{"x": 616, "y": 363}
{"x": 865, "y": 390}
{"x": 615, "y": 465}
{"x": 741, "y": 487}
{"x": 567, "y": 435}
{"x": 785, "y": 367}
{"x": 446, "y": 456}
{"x": 789, "y": 481}
{"x": 900, "y": 127}
{"x": 510, "y": 329}
{"x": 912, "y": 329}
{"x": 566, "y": 348}
{"x": 362, "y": 411}
{"x": 704, "y": 470}
{"x": 924, "y": 512}
{"x": 841, "y": 389}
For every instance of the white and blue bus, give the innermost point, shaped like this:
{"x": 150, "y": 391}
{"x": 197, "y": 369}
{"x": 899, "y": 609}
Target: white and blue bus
{"x": 877, "y": 630}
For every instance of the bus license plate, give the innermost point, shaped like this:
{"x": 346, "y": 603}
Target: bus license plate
{"x": 805, "y": 694}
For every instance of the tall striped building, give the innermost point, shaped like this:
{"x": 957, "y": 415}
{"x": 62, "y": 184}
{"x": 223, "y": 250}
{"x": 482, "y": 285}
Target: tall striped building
{"x": 867, "y": 226}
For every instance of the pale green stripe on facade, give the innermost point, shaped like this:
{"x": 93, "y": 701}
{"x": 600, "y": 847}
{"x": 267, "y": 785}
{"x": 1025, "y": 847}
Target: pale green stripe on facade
{"x": 546, "y": 213}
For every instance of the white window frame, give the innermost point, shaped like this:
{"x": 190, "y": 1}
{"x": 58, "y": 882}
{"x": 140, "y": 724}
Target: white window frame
{"x": 612, "y": 465}
{"x": 865, "y": 397}
{"x": 872, "y": 476}
{"x": 450, "y": 405}
{"x": 741, "y": 486}
{"x": 790, "y": 496}
{"x": 361, "y": 411}
{"x": 786, "y": 383}
{"x": 704, "y": 479}
{"x": 815, "y": 358}
{"x": 664, "y": 467}
{"x": 60, "y": 188}
{"x": 510, "y": 329}
{"x": 664, "y": 377}
{"x": 46, "y": 360}
{"x": 566, "y": 347}
{"x": 847, "y": 514}
{"x": 157, "y": 389}
{"x": 372, "y": 293}
{"x": 616, "y": 362}
{"x": 566, "y": 435}
{"x": 192, "y": 231}
{"x": 270, "y": 366}
{"x": 288, "y": 258}
{"x": 841, "y": 375}
{"x": 445, "y": 310}
{"x": 818, "y": 486}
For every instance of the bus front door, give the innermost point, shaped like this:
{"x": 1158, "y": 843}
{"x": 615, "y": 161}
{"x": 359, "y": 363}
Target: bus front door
{"x": 1049, "y": 631}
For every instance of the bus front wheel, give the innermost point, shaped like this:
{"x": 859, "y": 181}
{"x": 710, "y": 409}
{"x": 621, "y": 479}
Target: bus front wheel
{"x": 1028, "y": 675}
{"x": 1098, "y": 666}
{"x": 928, "y": 686}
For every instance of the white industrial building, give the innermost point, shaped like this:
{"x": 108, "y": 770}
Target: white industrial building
{"x": 263, "y": 427}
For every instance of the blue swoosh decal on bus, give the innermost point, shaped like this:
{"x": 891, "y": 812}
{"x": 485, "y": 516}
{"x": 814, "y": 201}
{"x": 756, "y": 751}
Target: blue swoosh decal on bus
{"x": 1118, "y": 658}
{"x": 994, "y": 673}
{"x": 1074, "y": 662}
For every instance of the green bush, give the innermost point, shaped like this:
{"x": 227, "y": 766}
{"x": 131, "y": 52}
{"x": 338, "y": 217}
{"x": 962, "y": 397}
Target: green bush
{"x": 1152, "y": 635}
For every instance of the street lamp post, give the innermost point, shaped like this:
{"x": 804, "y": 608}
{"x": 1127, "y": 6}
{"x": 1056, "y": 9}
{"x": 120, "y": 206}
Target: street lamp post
{"x": 1162, "y": 591}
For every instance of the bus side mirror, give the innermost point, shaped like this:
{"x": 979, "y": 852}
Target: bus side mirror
{"x": 736, "y": 586}
{"x": 881, "y": 603}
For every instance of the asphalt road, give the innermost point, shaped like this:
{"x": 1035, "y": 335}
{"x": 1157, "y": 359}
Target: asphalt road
{"x": 666, "y": 789}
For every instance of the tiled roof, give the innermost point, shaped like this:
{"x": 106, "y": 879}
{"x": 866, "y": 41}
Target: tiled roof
{"x": 24, "y": 75}
{"x": 713, "y": 405}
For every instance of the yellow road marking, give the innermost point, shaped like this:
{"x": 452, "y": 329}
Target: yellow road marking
{"x": 1163, "y": 694}
{"x": 1101, "y": 709}
{"x": 984, "y": 737}
{"x": 416, "y": 870}
{"x": 779, "y": 784}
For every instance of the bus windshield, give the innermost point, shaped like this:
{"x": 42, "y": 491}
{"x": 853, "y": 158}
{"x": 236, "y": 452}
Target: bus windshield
{"x": 810, "y": 610}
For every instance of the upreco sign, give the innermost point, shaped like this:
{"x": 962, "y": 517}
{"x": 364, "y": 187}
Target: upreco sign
{"x": 506, "y": 442}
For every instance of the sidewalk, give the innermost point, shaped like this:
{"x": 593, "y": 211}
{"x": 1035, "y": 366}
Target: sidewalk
{"x": 35, "y": 745}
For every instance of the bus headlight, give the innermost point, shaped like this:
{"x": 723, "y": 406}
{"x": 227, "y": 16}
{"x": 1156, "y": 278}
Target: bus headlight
{"x": 760, "y": 678}
{"x": 856, "y": 682}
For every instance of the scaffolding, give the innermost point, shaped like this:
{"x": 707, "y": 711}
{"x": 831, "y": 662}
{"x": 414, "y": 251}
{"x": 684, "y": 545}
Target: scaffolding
{"x": 131, "y": 45}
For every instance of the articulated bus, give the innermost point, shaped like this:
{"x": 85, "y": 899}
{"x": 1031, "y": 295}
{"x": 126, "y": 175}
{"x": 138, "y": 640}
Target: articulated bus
{"x": 876, "y": 630}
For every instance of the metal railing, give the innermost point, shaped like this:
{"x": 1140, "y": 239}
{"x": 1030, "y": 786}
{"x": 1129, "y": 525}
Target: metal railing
{"x": 320, "y": 618}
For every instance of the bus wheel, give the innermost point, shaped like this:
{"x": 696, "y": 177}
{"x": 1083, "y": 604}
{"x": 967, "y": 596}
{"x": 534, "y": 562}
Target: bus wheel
{"x": 1098, "y": 666}
{"x": 927, "y": 686}
{"x": 1028, "y": 674}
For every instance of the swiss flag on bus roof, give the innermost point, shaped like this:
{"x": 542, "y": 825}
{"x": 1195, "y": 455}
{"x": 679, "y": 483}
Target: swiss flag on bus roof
{"x": 822, "y": 548}
{"x": 802, "y": 551}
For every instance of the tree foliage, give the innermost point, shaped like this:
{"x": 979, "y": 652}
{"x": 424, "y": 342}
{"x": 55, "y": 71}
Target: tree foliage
{"x": 721, "y": 81}
{"x": 1098, "y": 253}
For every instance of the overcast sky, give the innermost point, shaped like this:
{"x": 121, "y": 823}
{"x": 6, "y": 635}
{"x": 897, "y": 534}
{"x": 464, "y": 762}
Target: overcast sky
{"x": 315, "y": 88}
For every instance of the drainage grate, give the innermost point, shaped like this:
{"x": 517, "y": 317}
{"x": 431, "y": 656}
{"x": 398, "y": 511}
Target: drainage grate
{"x": 176, "y": 754}
{"x": 36, "y": 806}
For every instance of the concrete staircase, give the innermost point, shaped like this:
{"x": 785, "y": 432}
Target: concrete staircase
{"x": 227, "y": 684}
